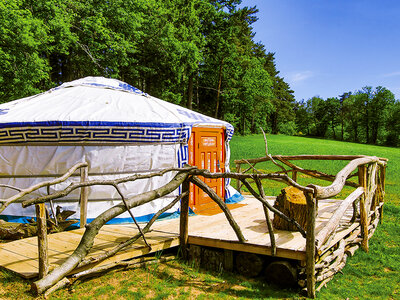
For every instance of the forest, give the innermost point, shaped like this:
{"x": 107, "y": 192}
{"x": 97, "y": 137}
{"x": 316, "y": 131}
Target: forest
{"x": 200, "y": 54}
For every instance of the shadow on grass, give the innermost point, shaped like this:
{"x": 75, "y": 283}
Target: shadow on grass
{"x": 226, "y": 284}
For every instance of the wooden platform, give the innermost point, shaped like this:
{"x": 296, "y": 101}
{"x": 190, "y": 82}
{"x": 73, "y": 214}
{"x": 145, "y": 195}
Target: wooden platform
{"x": 214, "y": 231}
{"x": 21, "y": 256}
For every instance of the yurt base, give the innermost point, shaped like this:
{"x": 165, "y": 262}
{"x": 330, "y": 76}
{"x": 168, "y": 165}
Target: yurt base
{"x": 212, "y": 243}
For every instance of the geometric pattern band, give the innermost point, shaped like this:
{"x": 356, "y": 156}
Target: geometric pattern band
{"x": 91, "y": 134}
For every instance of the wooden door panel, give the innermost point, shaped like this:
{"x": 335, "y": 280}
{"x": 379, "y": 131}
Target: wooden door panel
{"x": 206, "y": 151}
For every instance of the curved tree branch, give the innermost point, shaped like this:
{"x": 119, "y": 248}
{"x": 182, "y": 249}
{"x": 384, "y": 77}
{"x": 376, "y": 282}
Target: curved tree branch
{"x": 130, "y": 212}
{"x": 213, "y": 195}
{"x": 269, "y": 223}
{"x": 93, "y": 228}
{"x": 11, "y": 187}
{"x": 323, "y": 192}
{"x": 23, "y": 192}
{"x": 125, "y": 244}
{"x": 76, "y": 185}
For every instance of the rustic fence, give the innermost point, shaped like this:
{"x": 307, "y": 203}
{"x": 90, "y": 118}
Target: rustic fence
{"x": 324, "y": 256}
{"x": 367, "y": 200}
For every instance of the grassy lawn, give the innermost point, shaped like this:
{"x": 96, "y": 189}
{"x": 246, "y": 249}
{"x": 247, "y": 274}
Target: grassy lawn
{"x": 374, "y": 275}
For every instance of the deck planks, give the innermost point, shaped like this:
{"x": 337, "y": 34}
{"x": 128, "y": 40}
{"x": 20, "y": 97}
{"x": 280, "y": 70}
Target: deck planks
{"x": 204, "y": 230}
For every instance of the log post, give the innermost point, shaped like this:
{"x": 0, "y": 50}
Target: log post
{"x": 382, "y": 173}
{"x": 238, "y": 182}
{"x": 294, "y": 175}
{"x": 310, "y": 244}
{"x": 383, "y": 178}
{"x": 362, "y": 179}
{"x": 42, "y": 240}
{"x": 267, "y": 218}
{"x": 184, "y": 221}
{"x": 84, "y": 197}
{"x": 293, "y": 204}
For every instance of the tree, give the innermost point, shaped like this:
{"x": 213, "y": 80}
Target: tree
{"x": 23, "y": 69}
{"x": 353, "y": 115}
{"x": 282, "y": 97}
{"x": 393, "y": 125}
{"x": 342, "y": 109}
{"x": 317, "y": 108}
{"x": 380, "y": 106}
{"x": 333, "y": 112}
{"x": 198, "y": 53}
{"x": 303, "y": 117}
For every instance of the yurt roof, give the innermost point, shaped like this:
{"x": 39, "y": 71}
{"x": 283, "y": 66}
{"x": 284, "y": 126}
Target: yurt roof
{"x": 76, "y": 110}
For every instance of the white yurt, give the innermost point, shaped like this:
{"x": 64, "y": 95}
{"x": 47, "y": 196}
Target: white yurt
{"x": 119, "y": 131}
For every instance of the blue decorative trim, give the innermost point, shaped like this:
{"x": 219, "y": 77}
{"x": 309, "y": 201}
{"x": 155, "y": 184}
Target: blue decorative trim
{"x": 229, "y": 133}
{"x": 227, "y": 192}
{"x": 118, "y": 85}
{"x": 93, "y": 132}
{"x": 90, "y": 124}
{"x": 194, "y": 115}
{"x": 183, "y": 156}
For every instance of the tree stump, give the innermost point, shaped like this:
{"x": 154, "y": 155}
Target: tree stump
{"x": 195, "y": 254}
{"x": 213, "y": 259}
{"x": 249, "y": 264}
{"x": 292, "y": 202}
{"x": 281, "y": 273}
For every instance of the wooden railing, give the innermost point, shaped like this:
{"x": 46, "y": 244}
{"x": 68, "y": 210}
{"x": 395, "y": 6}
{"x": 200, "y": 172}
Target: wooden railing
{"x": 366, "y": 199}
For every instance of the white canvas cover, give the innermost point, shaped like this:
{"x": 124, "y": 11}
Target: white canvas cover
{"x": 113, "y": 126}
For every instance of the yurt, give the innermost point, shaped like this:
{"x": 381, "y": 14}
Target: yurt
{"x": 118, "y": 130}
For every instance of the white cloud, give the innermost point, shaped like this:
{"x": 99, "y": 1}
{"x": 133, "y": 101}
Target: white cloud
{"x": 393, "y": 74}
{"x": 297, "y": 77}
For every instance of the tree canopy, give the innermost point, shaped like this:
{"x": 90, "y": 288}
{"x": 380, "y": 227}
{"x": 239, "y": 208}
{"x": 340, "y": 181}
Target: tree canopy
{"x": 199, "y": 53}
{"x": 366, "y": 116}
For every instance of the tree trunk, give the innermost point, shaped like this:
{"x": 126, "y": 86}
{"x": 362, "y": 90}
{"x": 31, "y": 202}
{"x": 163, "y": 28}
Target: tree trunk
{"x": 367, "y": 124}
{"x": 190, "y": 93}
{"x": 217, "y": 108}
{"x": 274, "y": 123}
{"x": 292, "y": 203}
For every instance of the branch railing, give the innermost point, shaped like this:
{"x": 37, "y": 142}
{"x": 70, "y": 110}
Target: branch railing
{"x": 367, "y": 200}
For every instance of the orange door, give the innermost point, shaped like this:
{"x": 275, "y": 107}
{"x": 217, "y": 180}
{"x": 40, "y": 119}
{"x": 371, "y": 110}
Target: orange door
{"x": 206, "y": 151}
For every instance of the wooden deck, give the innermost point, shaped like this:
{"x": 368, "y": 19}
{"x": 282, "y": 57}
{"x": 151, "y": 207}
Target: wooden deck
{"x": 22, "y": 256}
{"x": 214, "y": 231}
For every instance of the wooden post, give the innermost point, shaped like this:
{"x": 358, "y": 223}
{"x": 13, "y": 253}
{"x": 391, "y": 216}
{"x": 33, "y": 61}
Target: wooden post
{"x": 382, "y": 173}
{"x": 42, "y": 240}
{"x": 294, "y": 175}
{"x": 238, "y": 182}
{"x": 362, "y": 179}
{"x": 84, "y": 197}
{"x": 184, "y": 221}
{"x": 310, "y": 244}
{"x": 228, "y": 260}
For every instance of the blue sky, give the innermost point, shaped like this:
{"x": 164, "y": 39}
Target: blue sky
{"x": 327, "y": 47}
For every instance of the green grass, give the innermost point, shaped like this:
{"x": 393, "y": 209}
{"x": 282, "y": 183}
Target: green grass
{"x": 373, "y": 275}
{"x": 253, "y": 146}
